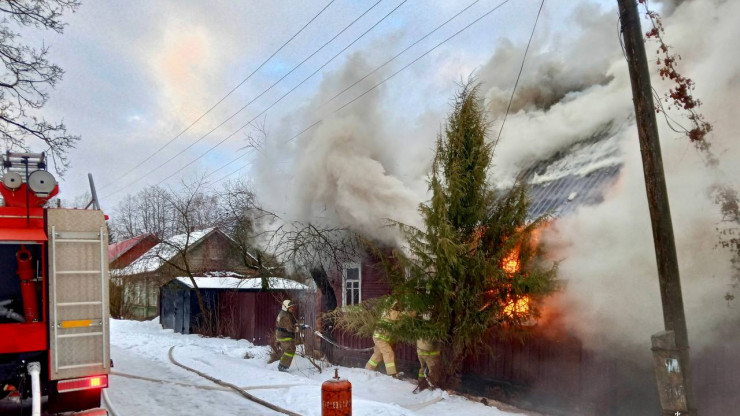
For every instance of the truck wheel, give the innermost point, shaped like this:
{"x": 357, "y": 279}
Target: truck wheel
{"x": 73, "y": 401}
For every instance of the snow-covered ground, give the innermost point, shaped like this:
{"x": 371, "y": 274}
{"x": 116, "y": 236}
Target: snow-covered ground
{"x": 140, "y": 354}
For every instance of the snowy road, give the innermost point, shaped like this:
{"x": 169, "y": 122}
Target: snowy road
{"x": 140, "y": 349}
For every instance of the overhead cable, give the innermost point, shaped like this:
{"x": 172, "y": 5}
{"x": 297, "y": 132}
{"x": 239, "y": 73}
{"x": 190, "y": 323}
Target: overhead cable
{"x": 524, "y": 58}
{"x": 227, "y": 95}
{"x": 283, "y": 96}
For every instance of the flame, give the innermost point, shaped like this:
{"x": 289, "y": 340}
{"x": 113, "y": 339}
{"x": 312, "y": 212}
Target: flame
{"x": 510, "y": 264}
{"x": 519, "y": 307}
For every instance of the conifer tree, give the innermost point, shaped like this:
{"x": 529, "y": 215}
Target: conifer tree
{"x": 461, "y": 272}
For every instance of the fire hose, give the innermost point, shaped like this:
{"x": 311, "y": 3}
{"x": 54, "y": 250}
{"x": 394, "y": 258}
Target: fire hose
{"x": 9, "y": 313}
{"x": 232, "y": 387}
{"x": 320, "y": 335}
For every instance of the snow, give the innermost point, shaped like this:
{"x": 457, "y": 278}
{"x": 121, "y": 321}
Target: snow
{"x": 236, "y": 283}
{"x": 140, "y": 350}
{"x": 162, "y": 252}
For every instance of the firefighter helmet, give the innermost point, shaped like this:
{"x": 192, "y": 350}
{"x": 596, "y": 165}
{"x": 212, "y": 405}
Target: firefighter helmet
{"x": 287, "y": 304}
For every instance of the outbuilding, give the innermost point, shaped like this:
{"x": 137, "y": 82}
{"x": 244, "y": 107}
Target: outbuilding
{"x": 245, "y": 310}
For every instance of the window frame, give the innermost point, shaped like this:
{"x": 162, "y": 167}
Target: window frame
{"x": 345, "y": 267}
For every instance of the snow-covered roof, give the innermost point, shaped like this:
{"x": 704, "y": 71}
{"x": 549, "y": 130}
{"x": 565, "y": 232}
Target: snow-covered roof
{"x": 575, "y": 176}
{"x": 278, "y": 283}
{"x": 165, "y": 251}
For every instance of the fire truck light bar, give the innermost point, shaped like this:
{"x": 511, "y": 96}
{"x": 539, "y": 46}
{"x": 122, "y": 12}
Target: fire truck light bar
{"x": 85, "y": 383}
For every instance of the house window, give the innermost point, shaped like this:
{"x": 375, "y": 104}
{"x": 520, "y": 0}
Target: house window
{"x": 351, "y": 278}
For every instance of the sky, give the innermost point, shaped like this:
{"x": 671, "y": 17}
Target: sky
{"x": 138, "y": 75}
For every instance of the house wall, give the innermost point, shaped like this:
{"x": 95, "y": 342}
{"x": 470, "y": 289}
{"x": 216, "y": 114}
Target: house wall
{"x": 215, "y": 253}
{"x": 372, "y": 282}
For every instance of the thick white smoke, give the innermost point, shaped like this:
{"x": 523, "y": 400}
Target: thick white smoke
{"x": 346, "y": 172}
{"x": 608, "y": 260}
{"x": 364, "y": 165}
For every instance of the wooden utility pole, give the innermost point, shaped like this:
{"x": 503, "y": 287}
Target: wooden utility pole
{"x": 678, "y": 390}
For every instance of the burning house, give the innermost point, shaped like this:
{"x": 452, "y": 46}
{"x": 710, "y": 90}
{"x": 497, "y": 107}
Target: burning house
{"x": 571, "y": 134}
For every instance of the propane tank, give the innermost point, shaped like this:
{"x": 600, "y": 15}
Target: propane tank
{"x": 28, "y": 288}
{"x": 336, "y": 396}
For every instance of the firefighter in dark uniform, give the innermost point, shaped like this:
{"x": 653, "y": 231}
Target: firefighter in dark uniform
{"x": 286, "y": 328}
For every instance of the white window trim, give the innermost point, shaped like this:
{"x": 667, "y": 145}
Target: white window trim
{"x": 346, "y": 266}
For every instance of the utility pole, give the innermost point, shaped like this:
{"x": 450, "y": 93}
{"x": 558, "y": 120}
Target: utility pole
{"x": 671, "y": 348}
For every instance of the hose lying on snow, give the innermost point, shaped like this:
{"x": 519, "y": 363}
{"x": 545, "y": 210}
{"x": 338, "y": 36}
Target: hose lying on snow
{"x": 320, "y": 335}
{"x": 233, "y": 387}
{"x": 197, "y": 386}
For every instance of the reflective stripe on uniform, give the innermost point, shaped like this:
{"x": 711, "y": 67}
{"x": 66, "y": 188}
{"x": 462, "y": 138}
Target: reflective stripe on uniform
{"x": 288, "y": 354}
{"x": 382, "y": 337}
{"x": 372, "y": 363}
{"x": 390, "y": 365}
{"x": 424, "y": 353}
{"x": 421, "y": 374}
{"x": 284, "y": 339}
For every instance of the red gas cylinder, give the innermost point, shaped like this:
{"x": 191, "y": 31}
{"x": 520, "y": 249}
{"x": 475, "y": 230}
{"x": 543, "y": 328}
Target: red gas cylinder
{"x": 336, "y": 397}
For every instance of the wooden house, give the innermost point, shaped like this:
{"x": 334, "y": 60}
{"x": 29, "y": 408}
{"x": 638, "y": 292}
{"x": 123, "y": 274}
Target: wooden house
{"x": 199, "y": 252}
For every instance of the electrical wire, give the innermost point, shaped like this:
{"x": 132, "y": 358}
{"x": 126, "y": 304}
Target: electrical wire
{"x": 265, "y": 91}
{"x": 225, "y": 96}
{"x": 403, "y": 68}
{"x": 283, "y": 96}
{"x": 399, "y": 54}
{"x": 524, "y": 58}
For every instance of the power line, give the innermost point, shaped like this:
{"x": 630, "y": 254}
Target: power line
{"x": 284, "y": 95}
{"x": 400, "y": 53}
{"x": 263, "y": 93}
{"x": 524, "y": 58}
{"x": 403, "y": 68}
{"x": 225, "y": 96}
{"x": 225, "y": 165}
{"x": 422, "y": 55}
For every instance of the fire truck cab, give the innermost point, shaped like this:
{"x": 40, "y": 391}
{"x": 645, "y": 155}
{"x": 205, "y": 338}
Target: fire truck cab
{"x": 54, "y": 329}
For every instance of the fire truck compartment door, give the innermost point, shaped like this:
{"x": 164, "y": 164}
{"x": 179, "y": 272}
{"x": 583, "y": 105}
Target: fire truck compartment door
{"x": 78, "y": 294}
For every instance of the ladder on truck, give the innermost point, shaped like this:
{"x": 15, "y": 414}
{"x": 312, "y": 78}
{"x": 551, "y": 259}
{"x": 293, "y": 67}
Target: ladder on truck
{"x": 78, "y": 299}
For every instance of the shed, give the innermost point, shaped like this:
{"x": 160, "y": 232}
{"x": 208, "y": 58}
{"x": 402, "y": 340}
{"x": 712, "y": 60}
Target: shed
{"x": 244, "y": 310}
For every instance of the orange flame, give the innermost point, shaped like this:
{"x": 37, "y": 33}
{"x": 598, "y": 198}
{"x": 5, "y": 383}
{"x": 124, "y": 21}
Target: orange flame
{"x": 510, "y": 264}
{"x": 519, "y": 307}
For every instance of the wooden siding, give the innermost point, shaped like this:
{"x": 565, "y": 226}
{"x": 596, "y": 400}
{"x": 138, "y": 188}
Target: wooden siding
{"x": 372, "y": 285}
{"x": 251, "y": 315}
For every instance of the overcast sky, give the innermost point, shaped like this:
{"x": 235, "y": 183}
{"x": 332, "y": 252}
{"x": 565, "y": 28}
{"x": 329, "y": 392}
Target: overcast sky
{"x": 140, "y": 72}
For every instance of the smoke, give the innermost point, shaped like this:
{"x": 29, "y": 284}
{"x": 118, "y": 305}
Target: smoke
{"x": 345, "y": 172}
{"x": 365, "y": 165}
{"x": 606, "y": 250}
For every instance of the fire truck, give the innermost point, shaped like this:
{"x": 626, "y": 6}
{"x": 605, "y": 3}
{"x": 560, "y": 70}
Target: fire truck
{"x": 54, "y": 330}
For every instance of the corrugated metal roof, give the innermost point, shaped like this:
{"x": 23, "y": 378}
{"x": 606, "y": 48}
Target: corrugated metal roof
{"x": 574, "y": 176}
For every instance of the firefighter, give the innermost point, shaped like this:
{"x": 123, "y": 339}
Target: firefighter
{"x": 428, "y": 353}
{"x": 383, "y": 348}
{"x": 286, "y": 328}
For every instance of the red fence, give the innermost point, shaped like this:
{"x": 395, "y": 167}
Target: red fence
{"x": 558, "y": 376}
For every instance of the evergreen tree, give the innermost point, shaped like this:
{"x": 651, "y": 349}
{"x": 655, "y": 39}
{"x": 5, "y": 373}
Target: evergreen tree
{"x": 461, "y": 272}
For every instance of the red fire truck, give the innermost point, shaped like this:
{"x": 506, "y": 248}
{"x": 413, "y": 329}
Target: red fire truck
{"x": 54, "y": 331}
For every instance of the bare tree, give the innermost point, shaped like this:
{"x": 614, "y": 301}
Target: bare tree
{"x": 242, "y": 218}
{"x": 26, "y": 76}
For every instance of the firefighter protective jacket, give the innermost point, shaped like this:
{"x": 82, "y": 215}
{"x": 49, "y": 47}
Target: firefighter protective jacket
{"x": 285, "y": 326}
